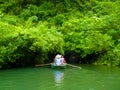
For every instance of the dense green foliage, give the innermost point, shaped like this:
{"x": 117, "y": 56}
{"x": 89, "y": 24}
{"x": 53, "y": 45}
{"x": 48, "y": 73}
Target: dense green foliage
{"x": 33, "y": 31}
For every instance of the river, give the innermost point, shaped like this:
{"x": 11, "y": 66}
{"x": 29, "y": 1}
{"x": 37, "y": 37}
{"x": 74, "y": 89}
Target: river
{"x": 44, "y": 78}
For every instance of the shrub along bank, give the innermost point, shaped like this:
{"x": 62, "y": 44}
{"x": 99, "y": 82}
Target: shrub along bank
{"x": 33, "y": 32}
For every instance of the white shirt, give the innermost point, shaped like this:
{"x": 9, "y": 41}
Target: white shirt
{"x": 58, "y": 61}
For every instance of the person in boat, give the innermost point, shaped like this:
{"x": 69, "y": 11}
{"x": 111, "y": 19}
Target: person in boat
{"x": 59, "y": 60}
{"x": 63, "y": 60}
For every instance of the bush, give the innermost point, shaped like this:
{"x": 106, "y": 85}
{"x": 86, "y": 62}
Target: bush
{"x": 28, "y": 46}
{"x": 81, "y": 36}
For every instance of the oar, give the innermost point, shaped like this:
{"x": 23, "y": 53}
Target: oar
{"x": 38, "y": 65}
{"x": 74, "y": 66}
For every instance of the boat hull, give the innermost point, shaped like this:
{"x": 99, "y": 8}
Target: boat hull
{"x": 53, "y": 65}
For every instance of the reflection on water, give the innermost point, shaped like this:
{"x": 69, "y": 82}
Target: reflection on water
{"x": 59, "y": 76}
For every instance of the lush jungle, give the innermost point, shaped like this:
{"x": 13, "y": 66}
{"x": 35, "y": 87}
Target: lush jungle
{"x": 84, "y": 31}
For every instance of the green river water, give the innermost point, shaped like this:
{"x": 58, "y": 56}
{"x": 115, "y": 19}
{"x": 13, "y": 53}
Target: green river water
{"x": 44, "y": 78}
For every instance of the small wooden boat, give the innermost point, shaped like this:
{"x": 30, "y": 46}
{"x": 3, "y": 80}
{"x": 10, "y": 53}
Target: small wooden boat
{"x": 53, "y": 65}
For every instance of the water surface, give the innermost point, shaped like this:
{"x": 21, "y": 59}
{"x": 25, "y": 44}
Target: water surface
{"x": 44, "y": 78}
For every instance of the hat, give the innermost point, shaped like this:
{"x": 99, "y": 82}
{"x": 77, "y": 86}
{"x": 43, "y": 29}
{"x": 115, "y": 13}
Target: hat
{"x": 58, "y": 56}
